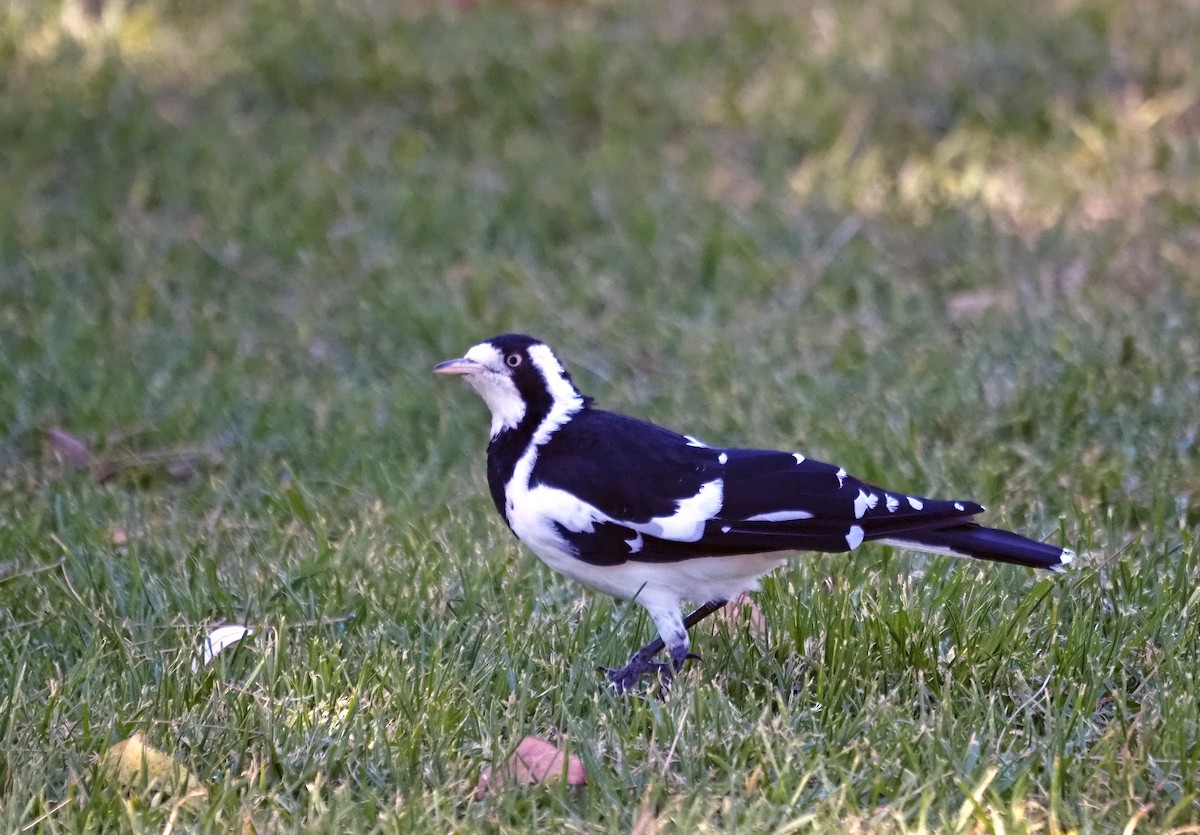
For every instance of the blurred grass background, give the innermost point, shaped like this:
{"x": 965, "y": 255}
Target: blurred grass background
{"x": 954, "y": 247}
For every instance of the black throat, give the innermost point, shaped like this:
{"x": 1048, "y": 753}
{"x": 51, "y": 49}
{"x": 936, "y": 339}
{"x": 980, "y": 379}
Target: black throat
{"x": 508, "y": 446}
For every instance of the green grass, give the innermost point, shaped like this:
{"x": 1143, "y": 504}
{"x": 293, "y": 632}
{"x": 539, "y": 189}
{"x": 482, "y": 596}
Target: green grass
{"x": 951, "y": 246}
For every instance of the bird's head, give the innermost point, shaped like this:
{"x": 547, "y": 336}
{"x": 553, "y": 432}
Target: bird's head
{"x": 516, "y": 376}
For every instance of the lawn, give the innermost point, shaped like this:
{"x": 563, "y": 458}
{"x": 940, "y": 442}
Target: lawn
{"x": 954, "y": 247}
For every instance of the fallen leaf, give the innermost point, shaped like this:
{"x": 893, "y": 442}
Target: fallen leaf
{"x": 117, "y": 537}
{"x": 69, "y": 449}
{"x": 217, "y": 640}
{"x": 136, "y": 765}
{"x": 535, "y": 761}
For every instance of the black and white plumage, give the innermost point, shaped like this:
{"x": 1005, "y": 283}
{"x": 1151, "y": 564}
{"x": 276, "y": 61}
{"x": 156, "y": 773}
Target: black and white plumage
{"x": 639, "y": 512}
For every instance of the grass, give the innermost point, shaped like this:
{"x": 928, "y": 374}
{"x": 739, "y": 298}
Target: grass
{"x": 953, "y": 248}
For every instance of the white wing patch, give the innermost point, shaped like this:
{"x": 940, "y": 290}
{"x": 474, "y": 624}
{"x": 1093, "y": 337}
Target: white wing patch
{"x": 854, "y": 537}
{"x": 916, "y": 504}
{"x": 532, "y": 518}
{"x": 695, "y": 442}
{"x": 959, "y": 506}
{"x": 892, "y": 503}
{"x": 865, "y": 501}
{"x": 799, "y": 458}
{"x": 781, "y": 516}
{"x": 722, "y": 458}
{"x": 686, "y": 524}
{"x": 635, "y": 544}
{"x": 841, "y": 477}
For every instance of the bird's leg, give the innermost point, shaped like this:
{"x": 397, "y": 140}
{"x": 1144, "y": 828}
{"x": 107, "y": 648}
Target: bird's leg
{"x": 669, "y": 624}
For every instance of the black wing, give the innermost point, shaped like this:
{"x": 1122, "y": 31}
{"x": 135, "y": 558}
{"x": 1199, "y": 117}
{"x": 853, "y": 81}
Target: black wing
{"x": 638, "y": 475}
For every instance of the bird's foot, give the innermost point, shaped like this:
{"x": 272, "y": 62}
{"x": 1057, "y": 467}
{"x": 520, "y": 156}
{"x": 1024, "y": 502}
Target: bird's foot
{"x": 625, "y": 678}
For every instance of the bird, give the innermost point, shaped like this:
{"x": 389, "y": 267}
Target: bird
{"x": 640, "y": 512}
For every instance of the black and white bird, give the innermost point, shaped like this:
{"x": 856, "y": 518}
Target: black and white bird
{"x": 640, "y": 512}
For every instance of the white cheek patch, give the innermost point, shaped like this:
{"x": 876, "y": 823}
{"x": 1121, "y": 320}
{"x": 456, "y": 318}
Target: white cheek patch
{"x": 502, "y": 398}
{"x": 496, "y": 388}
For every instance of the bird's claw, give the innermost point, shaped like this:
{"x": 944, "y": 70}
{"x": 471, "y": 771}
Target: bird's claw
{"x": 625, "y": 678}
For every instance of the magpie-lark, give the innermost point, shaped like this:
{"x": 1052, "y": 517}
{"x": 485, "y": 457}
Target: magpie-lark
{"x": 639, "y": 512}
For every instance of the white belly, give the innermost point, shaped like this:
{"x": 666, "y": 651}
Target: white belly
{"x": 700, "y": 579}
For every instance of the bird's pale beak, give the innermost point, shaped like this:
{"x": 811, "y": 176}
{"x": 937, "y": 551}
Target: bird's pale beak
{"x": 458, "y": 366}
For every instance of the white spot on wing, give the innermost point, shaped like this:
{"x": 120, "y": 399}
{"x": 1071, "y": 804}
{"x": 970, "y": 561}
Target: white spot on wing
{"x": 781, "y": 516}
{"x": 959, "y": 506}
{"x": 854, "y": 537}
{"x": 865, "y": 501}
{"x": 799, "y": 458}
{"x": 917, "y": 504}
{"x": 694, "y": 442}
{"x": 635, "y": 544}
{"x": 892, "y": 503}
{"x": 841, "y": 476}
{"x": 722, "y": 458}
{"x": 725, "y": 529}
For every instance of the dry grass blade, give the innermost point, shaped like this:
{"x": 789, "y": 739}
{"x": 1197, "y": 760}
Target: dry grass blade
{"x": 744, "y": 615}
{"x": 176, "y": 464}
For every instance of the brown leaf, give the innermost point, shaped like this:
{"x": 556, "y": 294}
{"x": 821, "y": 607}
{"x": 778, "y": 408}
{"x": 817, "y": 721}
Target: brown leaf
{"x": 69, "y": 449}
{"x": 118, "y": 538}
{"x": 535, "y": 761}
{"x": 136, "y": 765}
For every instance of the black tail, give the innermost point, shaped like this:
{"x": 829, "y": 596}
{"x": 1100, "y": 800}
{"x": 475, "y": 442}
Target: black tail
{"x": 971, "y": 540}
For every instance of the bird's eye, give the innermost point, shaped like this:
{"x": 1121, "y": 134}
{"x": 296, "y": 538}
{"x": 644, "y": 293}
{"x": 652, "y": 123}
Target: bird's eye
{"x": 513, "y": 360}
